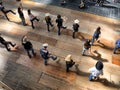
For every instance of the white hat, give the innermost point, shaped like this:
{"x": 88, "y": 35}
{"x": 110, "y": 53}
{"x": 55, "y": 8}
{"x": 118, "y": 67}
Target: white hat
{"x": 76, "y": 21}
{"x": 45, "y": 45}
{"x": 68, "y": 57}
{"x": 47, "y": 14}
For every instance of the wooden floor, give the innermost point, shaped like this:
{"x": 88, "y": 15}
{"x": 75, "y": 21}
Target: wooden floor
{"x": 20, "y": 72}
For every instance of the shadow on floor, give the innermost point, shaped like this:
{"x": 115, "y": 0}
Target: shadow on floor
{"x": 81, "y": 73}
{"x": 100, "y": 44}
{"x": 97, "y": 56}
{"x": 104, "y": 81}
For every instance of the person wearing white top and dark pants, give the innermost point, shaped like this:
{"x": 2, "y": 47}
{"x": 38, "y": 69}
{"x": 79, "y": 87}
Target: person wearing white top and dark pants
{"x": 96, "y": 71}
{"x": 32, "y": 18}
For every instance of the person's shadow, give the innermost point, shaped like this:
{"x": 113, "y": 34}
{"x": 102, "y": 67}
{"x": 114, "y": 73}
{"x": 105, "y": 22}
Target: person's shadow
{"x": 100, "y": 44}
{"x": 97, "y": 56}
{"x": 104, "y": 81}
{"x": 81, "y": 73}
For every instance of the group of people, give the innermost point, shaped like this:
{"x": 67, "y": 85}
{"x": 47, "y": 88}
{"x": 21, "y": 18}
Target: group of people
{"x": 95, "y": 71}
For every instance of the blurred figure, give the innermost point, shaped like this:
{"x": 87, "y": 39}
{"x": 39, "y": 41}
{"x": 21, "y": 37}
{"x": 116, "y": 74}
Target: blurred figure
{"x": 96, "y": 35}
{"x": 82, "y": 4}
{"x": 21, "y": 15}
{"x": 86, "y": 46}
{"x": 32, "y": 18}
{"x": 69, "y": 62}
{"x": 45, "y": 54}
{"x": 28, "y": 46}
{"x": 75, "y": 27}
{"x": 63, "y": 2}
{"x": 48, "y": 21}
{"x": 5, "y": 11}
{"x": 6, "y": 43}
{"x": 117, "y": 46}
{"x": 96, "y": 71}
{"x": 59, "y": 22}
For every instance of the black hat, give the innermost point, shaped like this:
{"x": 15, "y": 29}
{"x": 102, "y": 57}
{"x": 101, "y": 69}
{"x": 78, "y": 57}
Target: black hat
{"x": 99, "y": 65}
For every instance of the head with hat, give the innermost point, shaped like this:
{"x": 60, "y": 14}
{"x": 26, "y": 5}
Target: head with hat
{"x": 76, "y": 21}
{"x": 68, "y": 57}
{"x": 45, "y": 45}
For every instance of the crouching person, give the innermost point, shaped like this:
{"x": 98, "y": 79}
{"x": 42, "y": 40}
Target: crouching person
{"x": 69, "y": 62}
{"x": 96, "y": 71}
{"x": 45, "y": 54}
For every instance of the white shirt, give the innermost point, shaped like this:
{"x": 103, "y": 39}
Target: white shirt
{"x": 95, "y": 72}
{"x": 31, "y": 16}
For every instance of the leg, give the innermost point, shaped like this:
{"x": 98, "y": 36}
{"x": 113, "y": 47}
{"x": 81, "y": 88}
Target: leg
{"x": 45, "y": 61}
{"x": 115, "y": 49}
{"x": 59, "y": 30}
{"x": 6, "y": 16}
{"x": 51, "y": 24}
{"x": 32, "y": 24}
{"x": 33, "y": 52}
{"x": 53, "y": 57}
{"x": 10, "y": 11}
{"x": 23, "y": 20}
{"x": 73, "y": 34}
{"x": 35, "y": 18}
{"x": 8, "y": 42}
{"x": 67, "y": 66}
{"x": 93, "y": 39}
{"x": 83, "y": 51}
{"x": 6, "y": 46}
{"x": 28, "y": 52}
{"x": 48, "y": 27}
{"x": 90, "y": 77}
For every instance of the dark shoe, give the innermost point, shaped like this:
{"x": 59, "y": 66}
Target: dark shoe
{"x": 9, "y": 49}
{"x": 14, "y": 45}
{"x": 83, "y": 54}
{"x": 30, "y": 56}
{"x": 114, "y": 52}
{"x": 34, "y": 54}
{"x": 52, "y": 25}
{"x": 58, "y": 34}
{"x": 46, "y": 64}
{"x": 73, "y": 63}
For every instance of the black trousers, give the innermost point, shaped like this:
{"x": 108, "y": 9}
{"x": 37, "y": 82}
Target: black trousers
{"x": 7, "y": 45}
{"x": 69, "y": 64}
{"x": 48, "y": 26}
{"x": 32, "y": 24}
{"x": 7, "y": 11}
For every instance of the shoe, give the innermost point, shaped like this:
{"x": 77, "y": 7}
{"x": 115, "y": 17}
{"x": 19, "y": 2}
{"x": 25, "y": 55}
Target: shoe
{"x": 114, "y": 52}
{"x": 9, "y": 49}
{"x": 14, "y": 45}
{"x": 30, "y": 56}
{"x": 33, "y": 27}
{"x": 34, "y": 54}
{"x": 83, "y": 54}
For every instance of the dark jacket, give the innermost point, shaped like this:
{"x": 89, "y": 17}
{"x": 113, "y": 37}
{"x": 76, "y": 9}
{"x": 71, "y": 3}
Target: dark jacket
{"x": 28, "y": 45}
{"x": 48, "y": 19}
{"x": 20, "y": 12}
{"x": 59, "y": 22}
{"x": 44, "y": 53}
{"x": 75, "y": 27}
